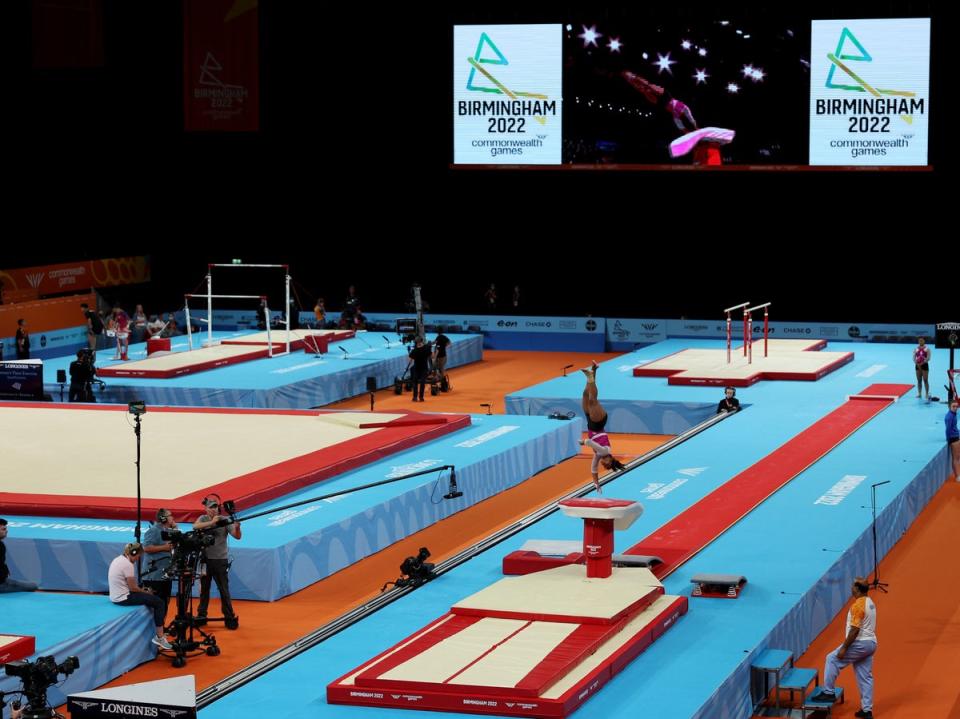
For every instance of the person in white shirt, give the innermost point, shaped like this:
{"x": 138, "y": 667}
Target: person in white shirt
{"x": 155, "y": 326}
{"x": 857, "y": 649}
{"x": 125, "y": 591}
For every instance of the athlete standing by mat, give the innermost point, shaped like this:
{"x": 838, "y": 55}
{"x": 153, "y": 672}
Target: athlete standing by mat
{"x": 921, "y": 358}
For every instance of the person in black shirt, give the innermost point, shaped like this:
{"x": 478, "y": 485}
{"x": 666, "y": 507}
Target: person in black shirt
{"x": 159, "y": 556}
{"x": 490, "y": 298}
{"x": 6, "y": 584}
{"x": 729, "y": 403}
{"x": 82, "y": 372}
{"x": 23, "y": 340}
{"x": 94, "y": 326}
{"x": 352, "y": 303}
{"x": 420, "y": 362}
{"x": 440, "y": 345}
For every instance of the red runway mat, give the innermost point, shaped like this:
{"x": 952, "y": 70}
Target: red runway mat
{"x": 690, "y": 531}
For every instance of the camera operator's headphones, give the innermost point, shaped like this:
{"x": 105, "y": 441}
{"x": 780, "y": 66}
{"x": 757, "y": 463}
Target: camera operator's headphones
{"x": 211, "y": 499}
{"x": 161, "y": 513}
{"x": 732, "y": 389}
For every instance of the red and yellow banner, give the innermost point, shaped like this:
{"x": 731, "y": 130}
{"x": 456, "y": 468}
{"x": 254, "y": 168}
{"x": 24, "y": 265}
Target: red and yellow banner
{"x": 67, "y": 33}
{"x": 32, "y": 282}
{"x": 221, "y": 65}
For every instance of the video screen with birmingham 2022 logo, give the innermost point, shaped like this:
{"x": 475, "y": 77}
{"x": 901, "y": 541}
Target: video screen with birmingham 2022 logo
{"x": 661, "y": 88}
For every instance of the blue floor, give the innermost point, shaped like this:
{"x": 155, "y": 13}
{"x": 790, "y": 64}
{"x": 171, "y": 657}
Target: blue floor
{"x": 649, "y": 405}
{"x": 798, "y": 554}
{"x": 109, "y": 640}
{"x": 295, "y": 381}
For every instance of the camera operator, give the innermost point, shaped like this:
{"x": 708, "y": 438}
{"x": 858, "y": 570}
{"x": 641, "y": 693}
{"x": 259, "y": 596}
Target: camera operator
{"x": 82, "y": 372}
{"x": 420, "y": 363}
{"x": 159, "y": 556}
{"x": 125, "y": 591}
{"x": 216, "y": 560}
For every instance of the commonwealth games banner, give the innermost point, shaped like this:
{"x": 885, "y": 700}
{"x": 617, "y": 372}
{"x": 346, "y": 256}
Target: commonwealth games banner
{"x": 507, "y": 94}
{"x": 870, "y": 92}
{"x": 221, "y": 65}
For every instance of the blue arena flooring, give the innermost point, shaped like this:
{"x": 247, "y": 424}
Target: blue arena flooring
{"x": 798, "y": 551}
{"x": 295, "y": 381}
{"x": 109, "y": 640}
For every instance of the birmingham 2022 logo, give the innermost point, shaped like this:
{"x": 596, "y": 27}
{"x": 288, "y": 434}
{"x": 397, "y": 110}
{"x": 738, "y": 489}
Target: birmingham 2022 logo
{"x": 487, "y": 54}
{"x": 849, "y": 51}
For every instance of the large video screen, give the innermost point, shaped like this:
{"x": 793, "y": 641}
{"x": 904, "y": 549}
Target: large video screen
{"x": 664, "y": 88}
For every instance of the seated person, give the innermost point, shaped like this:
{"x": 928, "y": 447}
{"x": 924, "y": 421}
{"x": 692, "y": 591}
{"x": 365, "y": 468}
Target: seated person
{"x": 348, "y": 318}
{"x": 171, "y": 329}
{"x": 359, "y": 320}
{"x": 125, "y": 591}
{"x": 155, "y": 326}
{"x": 729, "y": 403}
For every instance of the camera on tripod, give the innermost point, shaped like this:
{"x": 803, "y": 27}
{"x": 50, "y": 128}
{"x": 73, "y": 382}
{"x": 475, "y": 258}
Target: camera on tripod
{"x": 37, "y": 677}
{"x": 186, "y": 542}
{"x": 407, "y": 329}
{"x": 184, "y": 566}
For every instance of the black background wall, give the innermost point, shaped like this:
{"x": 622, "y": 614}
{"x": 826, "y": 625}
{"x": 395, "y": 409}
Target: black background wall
{"x": 348, "y": 180}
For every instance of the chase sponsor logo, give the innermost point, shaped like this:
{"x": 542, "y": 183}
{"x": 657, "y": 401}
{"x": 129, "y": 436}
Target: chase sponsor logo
{"x": 537, "y": 323}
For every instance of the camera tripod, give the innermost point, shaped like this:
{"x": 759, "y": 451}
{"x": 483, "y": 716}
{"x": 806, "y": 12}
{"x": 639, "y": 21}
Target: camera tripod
{"x": 185, "y": 625}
